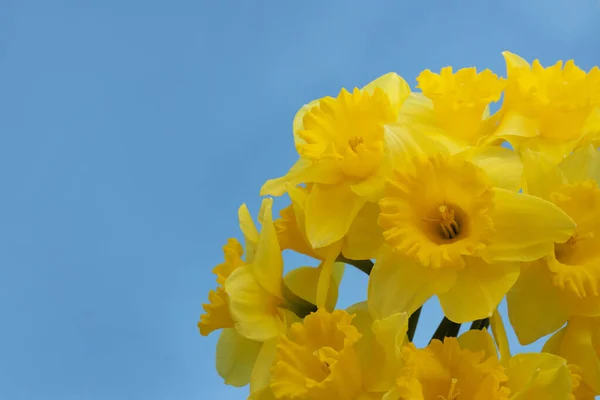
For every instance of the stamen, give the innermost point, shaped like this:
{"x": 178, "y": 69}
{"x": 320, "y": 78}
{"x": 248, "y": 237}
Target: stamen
{"x": 451, "y": 393}
{"x": 449, "y": 226}
{"x": 354, "y": 142}
{"x": 578, "y": 237}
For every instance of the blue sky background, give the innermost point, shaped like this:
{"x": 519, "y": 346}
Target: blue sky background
{"x": 131, "y": 131}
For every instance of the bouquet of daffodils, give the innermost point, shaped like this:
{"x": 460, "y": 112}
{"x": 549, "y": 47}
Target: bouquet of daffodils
{"x": 429, "y": 194}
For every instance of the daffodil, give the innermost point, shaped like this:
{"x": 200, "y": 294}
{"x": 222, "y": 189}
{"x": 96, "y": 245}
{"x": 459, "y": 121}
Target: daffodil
{"x": 345, "y": 153}
{"x": 254, "y": 303}
{"x": 567, "y": 281}
{"x": 579, "y": 343}
{"x": 552, "y": 109}
{"x": 450, "y": 232}
{"x": 453, "y": 107}
{"x": 327, "y": 357}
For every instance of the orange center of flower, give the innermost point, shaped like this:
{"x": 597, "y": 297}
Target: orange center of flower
{"x": 449, "y": 227}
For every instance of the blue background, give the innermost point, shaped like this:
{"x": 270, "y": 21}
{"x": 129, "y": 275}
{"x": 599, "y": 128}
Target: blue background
{"x": 131, "y": 131}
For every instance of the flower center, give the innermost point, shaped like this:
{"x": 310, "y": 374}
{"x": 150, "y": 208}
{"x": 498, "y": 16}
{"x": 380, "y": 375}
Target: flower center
{"x": 564, "y": 251}
{"x": 449, "y": 227}
{"x": 453, "y": 392}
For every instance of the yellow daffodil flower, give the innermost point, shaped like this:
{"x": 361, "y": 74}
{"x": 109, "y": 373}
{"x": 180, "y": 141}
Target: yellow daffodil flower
{"x": 450, "y": 232}
{"x": 567, "y": 281}
{"x": 327, "y": 357}
{"x": 453, "y": 106}
{"x": 579, "y": 343}
{"x": 254, "y": 303}
{"x": 552, "y": 109}
{"x": 345, "y": 152}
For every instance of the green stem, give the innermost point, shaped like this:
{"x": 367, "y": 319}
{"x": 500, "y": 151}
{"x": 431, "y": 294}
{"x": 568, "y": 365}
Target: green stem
{"x": 413, "y": 321}
{"x": 480, "y": 324}
{"x": 364, "y": 265}
{"x": 446, "y": 328}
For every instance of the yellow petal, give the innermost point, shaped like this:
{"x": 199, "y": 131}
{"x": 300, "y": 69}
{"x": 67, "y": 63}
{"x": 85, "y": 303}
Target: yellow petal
{"x": 394, "y": 86}
{"x": 578, "y": 342}
{"x": 261, "y": 373}
{"x": 538, "y": 376}
{"x": 253, "y": 309}
{"x": 330, "y": 210}
{"x": 399, "y": 284}
{"x": 500, "y": 336}
{"x": 298, "y": 123}
{"x": 535, "y": 308}
{"x": 478, "y": 340}
{"x": 236, "y": 356}
{"x": 249, "y": 230}
{"x": 303, "y": 282}
{"x": 526, "y": 227}
{"x": 267, "y": 266}
{"x": 515, "y": 128}
{"x": 365, "y": 236}
{"x": 541, "y": 175}
{"x": 514, "y": 61}
{"x": 217, "y": 313}
{"x": 303, "y": 171}
{"x": 478, "y": 289}
{"x": 503, "y": 166}
{"x": 582, "y": 165}
{"x": 326, "y": 275}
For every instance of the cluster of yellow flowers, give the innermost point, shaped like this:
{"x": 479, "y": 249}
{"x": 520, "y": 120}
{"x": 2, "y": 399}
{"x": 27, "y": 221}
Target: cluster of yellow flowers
{"x": 417, "y": 190}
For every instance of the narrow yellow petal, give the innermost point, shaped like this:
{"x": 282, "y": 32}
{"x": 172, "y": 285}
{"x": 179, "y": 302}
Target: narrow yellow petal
{"x": 267, "y": 266}
{"x": 326, "y": 275}
{"x": 394, "y": 86}
{"x": 303, "y": 171}
{"x": 478, "y": 289}
{"x": 526, "y": 227}
{"x": 249, "y": 230}
{"x": 303, "y": 282}
{"x": 330, "y": 210}
{"x": 261, "y": 373}
{"x": 535, "y": 308}
{"x": 500, "y": 337}
{"x": 236, "y": 356}
{"x": 399, "y": 284}
{"x": 514, "y": 61}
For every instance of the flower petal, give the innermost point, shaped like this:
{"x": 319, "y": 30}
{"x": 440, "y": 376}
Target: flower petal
{"x": 249, "y": 230}
{"x": 503, "y": 166}
{"x": 261, "y": 373}
{"x": 538, "y": 376}
{"x": 330, "y": 210}
{"x": 535, "y": 308}
{"x": 267, "y": 266}
{"x": 217, "y": 314}
{"x": 399, "y": 284}
{"x": 541, "y": 175}
{"x": 526, "y": 227}
{"x": 303, "y": 171}
{"x": 365, "y": 236}
{"x": 394, "y": 86}
{"x": 303, "y": 282}
{"x": 500, "y": 337}
{"x": 236, "y": 357}
{"x": 253, "y": 309}
{"x": 478, "y": 340}
{"x": 478, "y": 289}
{"x": 582, "y": 165}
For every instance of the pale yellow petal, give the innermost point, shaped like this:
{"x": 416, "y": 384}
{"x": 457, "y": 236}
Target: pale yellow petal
{"x": 399, "y": 284}
{"x": 303, "y": 171}
{"x": 326, "y": 275}
{"x": 236, "y": 356}
{"x": 576, "y": 342}
{"x": 503, "y": 166}
{"x": 261, "y": 373}
{"x": 582, "y": 165}
{"x": 515, "y": 128}
{"x": 514, "y": 61}
{"x": 526, "y": 227}
{"x": 330, "y": 210}
{"x": 298, "y": 123}
{"x": 253, "y": 309}
{"x": 303, "y": 282}
{"x": 249, "y": 230}
{"x": 267, "y": 266}
{"x": 500, "y": 337}
{"x": 478, "y": 340}
{"x": 535, "y": 308}
{"x": 541, "y": 175}
{"x": 538, "y": 376}
{"x": 394, "y": 86}
{"x": 365, "y": 236}
{"x": 478, "y": 289}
